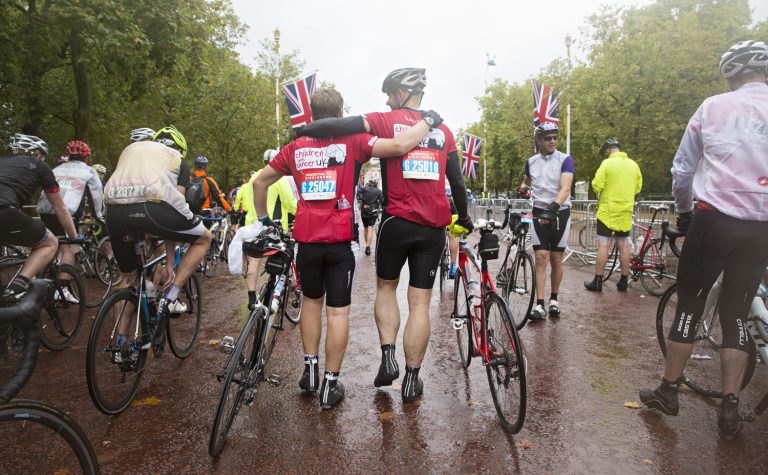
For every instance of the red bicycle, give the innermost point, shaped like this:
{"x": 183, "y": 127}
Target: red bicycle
{"x": 485, "y": 329}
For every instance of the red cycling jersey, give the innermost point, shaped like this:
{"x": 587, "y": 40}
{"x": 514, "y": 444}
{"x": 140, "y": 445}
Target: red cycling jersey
{"x": 414, "y": 184}
{"x": 325, "y": 171}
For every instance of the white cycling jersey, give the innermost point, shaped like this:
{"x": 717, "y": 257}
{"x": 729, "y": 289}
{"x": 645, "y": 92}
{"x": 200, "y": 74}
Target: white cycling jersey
{"x": 147, "y": 171}
{"x": 544, "y": 172}
{"x": 723, "y": 155}
{"x": 74, "y": 177}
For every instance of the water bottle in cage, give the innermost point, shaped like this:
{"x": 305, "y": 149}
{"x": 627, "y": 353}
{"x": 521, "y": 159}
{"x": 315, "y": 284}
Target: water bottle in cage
{"x": 638, "y": 245}
{"x": 473, "y": 291}
{"x": 279, "y": 285}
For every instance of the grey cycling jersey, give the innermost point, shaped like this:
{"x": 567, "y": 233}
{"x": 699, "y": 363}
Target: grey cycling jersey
{"x": 74, "y": 177}
{"x": 544, "y": 172}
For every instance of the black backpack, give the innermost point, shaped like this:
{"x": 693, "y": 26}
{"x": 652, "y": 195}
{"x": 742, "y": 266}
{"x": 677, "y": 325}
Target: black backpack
{"x": 195, "y": 195}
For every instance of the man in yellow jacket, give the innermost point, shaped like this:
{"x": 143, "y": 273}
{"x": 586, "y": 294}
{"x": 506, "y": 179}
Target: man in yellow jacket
{"x": 280, "y": 202}
{"x": 617, "y": 181}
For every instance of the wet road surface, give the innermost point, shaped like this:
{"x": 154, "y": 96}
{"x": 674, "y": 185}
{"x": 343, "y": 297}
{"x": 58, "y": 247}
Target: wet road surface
{"x": 582, "y": 369}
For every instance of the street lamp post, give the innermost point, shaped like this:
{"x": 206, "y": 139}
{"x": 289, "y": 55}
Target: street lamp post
{"x": 488, "y": 62}
{"x": 277, "y": 86}
{"x": 568, "y": 43}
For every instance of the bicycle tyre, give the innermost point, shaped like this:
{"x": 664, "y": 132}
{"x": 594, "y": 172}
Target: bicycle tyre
{"x": 103, "y": 269}
{"x": 293, "y": 303}
{"x": 237, "y": 369}
{"x": 63, "y": 318}
{"x": 613, "y": 261}
{"x": 522, "y": 279}
{"x": 653, "y": 280}
{"x": 64, "y": 426}
{"x": 103, "y": 350}
{"x": 212, "y": 259}
{"x": 182, "y": 329}
{"x": 507, "y": 367}
{"x": 463, "y": 309}
{"x": 703, "y": 371}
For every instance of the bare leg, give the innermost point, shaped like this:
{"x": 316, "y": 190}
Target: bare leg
{"x": 387, "y": 311}
{"x": 192, "y": 259}
{"x": 453, "y": 248}
{"x": 602, "y": 256}
{"x": 556, "y": 263}
{"x": 542, "y": 258}
{"x": 416, "y": 336}
{"x": 734, "y": 365}
{"x": 40, "y": 256}
{"x": 252, "y": 275}
{"x": 677, "y": 357}
{"x": 310, "y": 324}
{"x": 336, "y": 338}
{"x": 368, "y": 235}
{"x": 624, "y": 255}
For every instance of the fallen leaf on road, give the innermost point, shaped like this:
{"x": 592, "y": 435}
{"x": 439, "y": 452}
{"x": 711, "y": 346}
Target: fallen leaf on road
{"x": 386, "y": 416}
{"x": 632, "y": 404}
{"x": 525, "y": 443}
{"x": 642, "y": 296}
{"x": 473, "y": 402}
{"x": 648, "y": 461}
{"x": 579, "y": 327}
{"x": 653, "y": 338}
{"x": 150, "y": 401}
{"x": 215, "y": 341}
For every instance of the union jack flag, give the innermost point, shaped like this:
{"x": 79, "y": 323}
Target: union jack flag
{"x": 544, "y": 104}
{"x": 471, "y": 150}
{"x": 297, "y": 95}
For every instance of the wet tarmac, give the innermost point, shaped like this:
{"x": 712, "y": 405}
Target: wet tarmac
{"x": 582, "y": 370}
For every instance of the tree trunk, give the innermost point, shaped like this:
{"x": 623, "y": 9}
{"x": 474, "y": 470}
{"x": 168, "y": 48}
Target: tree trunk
{"x": 83, "y": 107}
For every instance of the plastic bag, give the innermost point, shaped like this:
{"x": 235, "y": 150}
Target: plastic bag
{"x": 235, "y": 256}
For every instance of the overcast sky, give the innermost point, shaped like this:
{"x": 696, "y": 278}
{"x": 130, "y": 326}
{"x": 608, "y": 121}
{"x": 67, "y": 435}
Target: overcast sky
{"x": 355, "y": 43}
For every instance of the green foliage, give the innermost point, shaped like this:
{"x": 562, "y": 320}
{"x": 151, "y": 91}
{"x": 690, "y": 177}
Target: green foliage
{"x": 647, "y": 70}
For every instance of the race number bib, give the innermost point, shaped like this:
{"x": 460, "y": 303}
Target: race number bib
{"x": 421, "y": 165}
{"x": 319, "y": 185}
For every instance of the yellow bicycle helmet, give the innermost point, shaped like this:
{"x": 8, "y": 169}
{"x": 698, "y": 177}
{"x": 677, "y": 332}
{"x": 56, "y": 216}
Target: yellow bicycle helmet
{"x": 171, "y": 137}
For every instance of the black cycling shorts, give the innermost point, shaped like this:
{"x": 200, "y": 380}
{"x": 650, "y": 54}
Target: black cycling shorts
{"x": 157, "y": 219}
{"x": 717, "y": 242}
{"x": 552, "y": 236}
{"x": 327, "y": 269}
{"x": 51, "y": 222}
{"x": 399, "y": 241}
{"x": 369, "y": 220}
{"x": 19, "y": 229}
{"x": 605, "y": 231}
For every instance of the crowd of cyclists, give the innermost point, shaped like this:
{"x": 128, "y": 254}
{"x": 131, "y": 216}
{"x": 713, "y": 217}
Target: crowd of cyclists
{"x": 313, "y": 185}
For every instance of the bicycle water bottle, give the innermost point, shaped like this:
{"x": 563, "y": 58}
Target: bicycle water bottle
{"x": 758, "y": 309}
{"x": 473, "y": 291}
{"x": 343, "y": 203}
{"x": 279, "y": 286}
{"x": 638, "y": 245}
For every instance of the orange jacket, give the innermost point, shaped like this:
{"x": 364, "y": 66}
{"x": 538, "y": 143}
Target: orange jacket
{"x": 207, "y": 191}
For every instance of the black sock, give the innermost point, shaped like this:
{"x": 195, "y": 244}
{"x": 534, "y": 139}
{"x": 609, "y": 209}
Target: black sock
{"x": 332, "y": 377}
{"x": 251, "y": 297}
{"x": 553, "y": 296}
{"x": 598, "y": 277}
{"x": 623, "y": 278}
{"x": 540, "y": 302}
{"x": 19, "y": 284}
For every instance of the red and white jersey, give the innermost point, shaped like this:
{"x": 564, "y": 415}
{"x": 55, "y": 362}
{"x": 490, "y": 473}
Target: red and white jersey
{"x": 325, "y": 171}
{"x": 414, "y": 184}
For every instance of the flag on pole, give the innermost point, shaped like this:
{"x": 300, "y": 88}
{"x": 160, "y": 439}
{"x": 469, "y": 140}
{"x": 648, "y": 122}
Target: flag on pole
{"x": 545, "y": 104}
{"x": 297, "y": 95}
{"x": 471, "y": 150}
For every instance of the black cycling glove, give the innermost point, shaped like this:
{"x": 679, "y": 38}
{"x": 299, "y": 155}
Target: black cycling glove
{"x": 432, "y": 118}
{"x": 683, "y": 221}
{"x": 466, "y": 223}
{"x": 332, "y": 127}
{"x": 550, "y": 214}
{"x": 267, "y": 222}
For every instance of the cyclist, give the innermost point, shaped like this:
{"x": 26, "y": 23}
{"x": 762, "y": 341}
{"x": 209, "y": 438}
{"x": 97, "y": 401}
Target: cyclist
{"x": 77, "y": 182}
{"x": 326, "y": 171}
{"x": 370, "y": 199}
{"x": 211, "y": 191}
{"x": 144, "y": 195}
{"x": 453, "y": 242}
{"x": 722, "y": 163}
{"x": 280, "y": 203}
{"x": 21, "y": 174}
{"x": 413, "y": 225}
{"x": 548, "y": 177}
{"x": 101, "y": 170}
{"x": 618, "y": 180}
{"x": 236, "y": 201}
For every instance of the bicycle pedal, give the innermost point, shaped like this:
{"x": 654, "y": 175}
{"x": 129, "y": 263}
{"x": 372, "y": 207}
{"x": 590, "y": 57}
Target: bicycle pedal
{"x": 227, "y": 345}
{"x": 458, "y": 323}
{"x": 273, "y": 380}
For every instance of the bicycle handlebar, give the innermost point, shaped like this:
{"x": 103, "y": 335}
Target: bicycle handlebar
{"x": 672, "y": 234}
{"x": 25, "y": 314}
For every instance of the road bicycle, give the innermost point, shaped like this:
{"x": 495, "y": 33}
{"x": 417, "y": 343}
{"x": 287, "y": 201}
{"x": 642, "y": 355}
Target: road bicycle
{"x": 648, "y": 264}
{"x": 485, "y": 329}
{"x": 517, "y": 276}
{"x": 128, "y": 325}
{"x": 703, "y": 370}
{"x": 246, "y": 363}
{"x": 221, "y": 236}
{"x": 64, "y": 305}
{"x": 445, "y": 266}
{"x": 95, "y": 265}
{"x": 35, "y": 434}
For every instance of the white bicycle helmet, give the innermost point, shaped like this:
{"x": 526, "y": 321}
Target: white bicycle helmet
{"x": 546, "y": 127}
{"x": 410, "y": 79}
{"x": 142, "y": 134}
{"x": 269, "y": 154}
{"x": 744, "y": 57}
{"x": 28, "y": 143}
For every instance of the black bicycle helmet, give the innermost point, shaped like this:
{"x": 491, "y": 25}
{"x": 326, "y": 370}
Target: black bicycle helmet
{"x": 610, "y": 143}
{"x": 411, "y": 79}
{"x": 744, "y": 57}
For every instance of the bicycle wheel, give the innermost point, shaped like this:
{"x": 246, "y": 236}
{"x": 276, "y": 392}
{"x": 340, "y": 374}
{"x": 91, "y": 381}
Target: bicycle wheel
{"x": 117, "y": 352}
{"x": 292, "y": 304}
{"x": 236, "y": 374}
{"x": 462, "y": 309}
{"x": 107, "y": 268}
{"x": 444, "y": 267}
{"x": 183, "y": 327}
{"x": 64, "y": 307}
{"x": 520, "y": 291}
{"x": 212, "y": 259}
{"x": 655, "y": 281}
{"x": 507, "y": 366}
{"x": 613, "y": 261}
{"x": 702, "y": 372}
{"x": 39, "y": 439}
